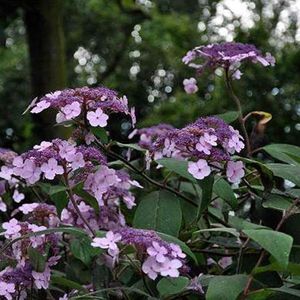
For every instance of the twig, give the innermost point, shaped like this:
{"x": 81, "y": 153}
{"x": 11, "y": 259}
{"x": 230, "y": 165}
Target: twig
{"x": 154, "y": 182}
{"x": 70, "y": 193}
{"x": 240, "y": 111}
{"x": 263, "y": 252}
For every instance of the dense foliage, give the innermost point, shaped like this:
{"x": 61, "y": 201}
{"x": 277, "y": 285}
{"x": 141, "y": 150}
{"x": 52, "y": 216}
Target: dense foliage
{"x": 194, "y": 212}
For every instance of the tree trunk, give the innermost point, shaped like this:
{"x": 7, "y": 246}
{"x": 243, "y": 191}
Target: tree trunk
{"x": 44, "y": 27}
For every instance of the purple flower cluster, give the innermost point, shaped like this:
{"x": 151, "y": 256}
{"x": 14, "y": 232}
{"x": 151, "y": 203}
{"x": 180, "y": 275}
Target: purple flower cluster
{"x": 40, "y": 213}
{"x": 92, "y": 104}
{"x": 15, "y": 281}
{"x": 109, "y": 186}
{"x": 148, "y": 135}
{"x": 207, "y": 141}
{"x": 50, "y": 159}
{"x": 158, "y": 256}
{"x": 109, "y": 218}
{"x": 228, "y": 56}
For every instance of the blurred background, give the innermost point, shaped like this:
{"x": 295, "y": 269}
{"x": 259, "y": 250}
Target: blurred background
{"x": 136, "y": 48}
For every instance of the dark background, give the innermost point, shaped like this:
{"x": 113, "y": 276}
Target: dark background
{"x": 136, "y": 48}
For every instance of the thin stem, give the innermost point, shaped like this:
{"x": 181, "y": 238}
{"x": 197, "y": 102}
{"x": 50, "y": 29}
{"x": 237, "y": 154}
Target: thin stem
{"x": 240, "y": 111}
{"x": 154, "y": 182}
{"x": 71, "y": 196}
{"x": 263, "y": 252}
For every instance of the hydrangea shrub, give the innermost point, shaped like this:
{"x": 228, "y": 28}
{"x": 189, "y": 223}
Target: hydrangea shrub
{"x": 180, "y": 213}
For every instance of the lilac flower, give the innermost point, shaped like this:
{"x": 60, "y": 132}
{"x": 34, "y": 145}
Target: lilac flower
{"x": 3, "y": 206}
{"x": 12, "y": 228}
{"x": 199, "y": 169}
{"x": 225, "y": 262}
{"x": 88, "y": 102}
{"x": 41, "y": 280}
{"x": 163, "y": 258}
{"x": 71, "y": 111}
{"x": 44, "y": 145}
{"x": 207, "y": 138}
{"x": 76, "y": 161}
{"x": 158, "y": 252}
{"x": 151, "y": 267}
{"x": 28, "y": 207}
{"x": 176, "y": 251}
{"x": 53, "y": 95}
{"x": 226, "y": 55}
{"x": 148, "y": 135}
{"x": 236, "y": 75}
{"x": 97, "y": 118}
{"x": 190, "y": 85}
{"x": 17, "y": 196}
{"x": 235, "y": 171}
{"x": 40, "y": 106}
{"x": 170, "y": 268}
{"x": 51, "y": 168}
{"x": 6, "y": 290}
{"x": 109, "y": 242}
{"x": 234, "y": 143}
{"x": 6, "y": 172}
{"x": 195, "y": 285}
{"x": 99, "y": 182}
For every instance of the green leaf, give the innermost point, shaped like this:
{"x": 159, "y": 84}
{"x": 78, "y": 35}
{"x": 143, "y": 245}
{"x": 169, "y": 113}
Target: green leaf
{"x": 184, "y": 247}
{"x": 100, "y": 133}
{"x": 278, "y": 244}
{"x": 54, "y": 189}
{"x": 288, "y": 291}
{"x": 223, "y": 189}
{"x": 206, "y": 185}
{"x": 86, "y": 197}
{"x": 131, "y": 146}
{"x": 60, "y": 200}
{"x": 64, "y": 282}
{"x": 179, "y": 167}
{"x": 229, "y": 116}
{"x": 276, "y": 202}
{"x": 231, "y": 231}
{"x": 289, "y": 172}
{"x": 82, "y": 249}
{"x": 171, "y": 286}
{"x": 292, "y": 268}
{"x": 241, "y": 224}
{"x": 284, "y": 152}
{"x": 37, "y": 260}
{"x": 159, "y": 211}
{"x": 266, "y": 174}
{"x": 226, "y": 287}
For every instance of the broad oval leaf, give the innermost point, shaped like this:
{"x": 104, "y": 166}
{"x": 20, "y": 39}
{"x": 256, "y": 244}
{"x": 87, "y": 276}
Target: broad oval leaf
{"x": 226, "y": 287}
{"x": 179, "y": 167}
{"x": 289, "y": 172}
{"x": 223, "y": 189}
{"x": 171, "y": 286}
{"x": 37, "y": 259}
{"x": 284, "y": 152}
{"x": 82, "y": 249}
{"x": 229, "y": 116}
{"x": 160, "y": 211}
{"x": 278, "y": 244}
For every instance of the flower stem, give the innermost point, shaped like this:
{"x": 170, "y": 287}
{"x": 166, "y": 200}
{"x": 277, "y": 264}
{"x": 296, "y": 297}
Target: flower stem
{"x": 263, "y": 252}
{"x": 131, "y": 167}
{"x": 240, "y": 111}
{"x": 71, "y": 196}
